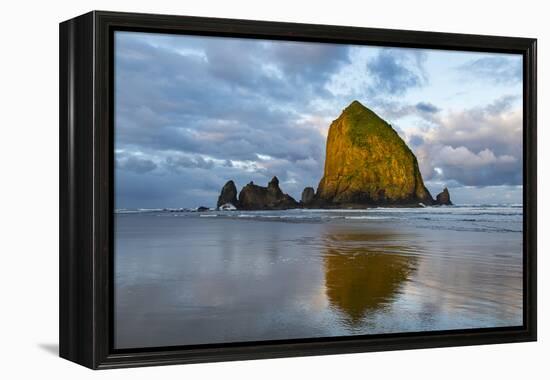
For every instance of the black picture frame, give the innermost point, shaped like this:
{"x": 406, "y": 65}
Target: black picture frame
{"x": 86, "y": 188}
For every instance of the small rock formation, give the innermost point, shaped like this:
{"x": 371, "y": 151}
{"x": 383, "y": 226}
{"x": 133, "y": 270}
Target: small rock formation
{"x": 254, "y": 197}
{"x": 443, "y": 198}
{"x": 368, "y": 164}
{"x": 308, "y": 195}
{"x": 228, "y": 195}
{"x": 202, "y": 209}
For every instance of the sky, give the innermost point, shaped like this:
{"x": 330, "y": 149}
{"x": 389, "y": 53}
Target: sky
{"x": 192, "y": 112}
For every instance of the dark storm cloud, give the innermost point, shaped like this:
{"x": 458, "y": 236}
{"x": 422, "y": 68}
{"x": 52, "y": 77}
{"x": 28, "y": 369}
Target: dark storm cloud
{"x": 395, "y": 71}
{"x": 194, "y": 103}
{"x": 497, "y": 69}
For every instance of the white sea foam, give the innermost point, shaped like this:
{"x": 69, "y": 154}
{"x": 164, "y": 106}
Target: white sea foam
{"x": 367, "y": 217}
{"x": 228, "y": 207}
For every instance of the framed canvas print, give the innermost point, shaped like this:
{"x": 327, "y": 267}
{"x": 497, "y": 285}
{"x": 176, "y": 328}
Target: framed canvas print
{"x": 236, "y": 189}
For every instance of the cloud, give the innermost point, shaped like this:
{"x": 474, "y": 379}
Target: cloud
{"x": 394, "y": 71}
{"x": 176, "y": 163}
{"x": 476, "y": 169}
{"x": 502, "y": 104}
{"x": 134, "y": 163}
{"x": 415, "y": 140}
{"x": 496, "y": 69}
{"x": 481, "y": 146}
{"x": 191, "y": 103}
{"x": 308, "y": 63}
{"x": 165, "y": 98}
{"x": 481, "y": 195}
{"x": 193, "y": 112}
{"x": 465, "y": 158}
{"x": 496, "y": 125}
{"x": 427, "y": 107}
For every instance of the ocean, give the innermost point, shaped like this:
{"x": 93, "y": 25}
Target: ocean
{"x": 186, "y": 278}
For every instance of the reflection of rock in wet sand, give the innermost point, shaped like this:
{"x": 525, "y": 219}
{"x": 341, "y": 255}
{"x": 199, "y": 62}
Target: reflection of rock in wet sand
{"x": 364, "y": 272}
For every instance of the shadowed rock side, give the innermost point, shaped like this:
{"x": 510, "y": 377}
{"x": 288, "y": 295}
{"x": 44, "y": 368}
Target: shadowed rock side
{"x": 228, "y": 195}
{"x": 308, "y": 196}
{"x": 367, "y": 163}
{"x": 444, "y": 198}
{"x": 254, "y": 197}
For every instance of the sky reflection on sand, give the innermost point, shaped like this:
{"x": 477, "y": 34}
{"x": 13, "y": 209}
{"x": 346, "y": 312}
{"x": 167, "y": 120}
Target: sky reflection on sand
{"x": 192, "y": 280}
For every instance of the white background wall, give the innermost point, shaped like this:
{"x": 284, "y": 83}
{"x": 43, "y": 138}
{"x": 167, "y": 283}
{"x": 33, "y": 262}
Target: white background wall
{"x": 29, "y": 187}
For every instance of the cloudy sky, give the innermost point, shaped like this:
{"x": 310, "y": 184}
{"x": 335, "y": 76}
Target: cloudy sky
{"x": 193, "y": 112}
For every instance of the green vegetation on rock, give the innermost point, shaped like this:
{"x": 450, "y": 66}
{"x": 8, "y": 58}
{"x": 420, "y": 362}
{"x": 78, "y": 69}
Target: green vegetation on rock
{"x": 367, "y": 163}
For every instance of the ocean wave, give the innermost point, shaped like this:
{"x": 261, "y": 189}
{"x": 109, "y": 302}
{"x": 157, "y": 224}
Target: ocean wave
{"x": 266, "y": 216}
{"x": 469, "y": 228}
{"x": 488, "y": 208}
{"x": 475, "y": 219}
{"x": 367, "y": 217}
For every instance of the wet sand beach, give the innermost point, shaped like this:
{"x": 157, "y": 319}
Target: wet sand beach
{"x": 197, "y": 278}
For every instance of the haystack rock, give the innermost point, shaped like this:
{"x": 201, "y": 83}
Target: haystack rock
{"x": 308, "y": 195}
{"x": 368, "y": 164}
{"x": 228, "y": 195}
{"x": 444, "y": 198}
{"x": 254, "y": 197}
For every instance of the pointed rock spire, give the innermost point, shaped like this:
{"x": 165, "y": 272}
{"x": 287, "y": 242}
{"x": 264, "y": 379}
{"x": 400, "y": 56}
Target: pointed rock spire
{"x": 444, "y": 198}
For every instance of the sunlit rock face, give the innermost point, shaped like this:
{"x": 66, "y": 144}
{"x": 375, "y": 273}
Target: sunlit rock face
{"x": 367, "y": 163}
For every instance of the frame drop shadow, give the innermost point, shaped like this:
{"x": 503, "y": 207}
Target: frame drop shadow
{"x": 51, "y": 348}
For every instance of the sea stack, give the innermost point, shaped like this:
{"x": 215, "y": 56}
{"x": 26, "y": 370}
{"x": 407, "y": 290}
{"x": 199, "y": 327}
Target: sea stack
{"x": 444, "y": 198}
{"x": 228, "y": 196}
{"x": 308, "y": 195}
{"x": 254, "y": 197}
{"x": 368, "y": 164}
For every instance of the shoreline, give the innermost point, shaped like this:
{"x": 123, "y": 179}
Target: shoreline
{"x": 311, "y": 208}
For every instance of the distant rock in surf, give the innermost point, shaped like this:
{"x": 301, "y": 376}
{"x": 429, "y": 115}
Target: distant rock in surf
{"x": 443, "y": 198}
{"x": 308, "y": 195}
{"x": 254, "y": 197}
{"x": 228, "y": 195}
{"x": 202, "y": 209}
